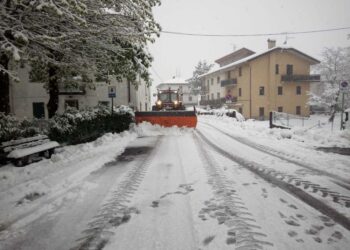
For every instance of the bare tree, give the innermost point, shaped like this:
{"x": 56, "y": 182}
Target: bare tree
{"x": 334, "y": 68}
{"x": 201, "y": 68}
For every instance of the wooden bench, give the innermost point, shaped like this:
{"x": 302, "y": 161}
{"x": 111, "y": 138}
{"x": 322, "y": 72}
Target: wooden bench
{"x": 28, "y": 150}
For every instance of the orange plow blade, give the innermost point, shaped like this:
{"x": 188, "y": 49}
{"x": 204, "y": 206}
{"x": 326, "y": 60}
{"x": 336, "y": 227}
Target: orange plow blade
{"x": 168, "y": 118}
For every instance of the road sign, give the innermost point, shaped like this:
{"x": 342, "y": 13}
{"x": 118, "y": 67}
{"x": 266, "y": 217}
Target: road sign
{"x": 111, "y": 91}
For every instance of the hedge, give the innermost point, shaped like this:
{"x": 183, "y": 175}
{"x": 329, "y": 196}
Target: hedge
{"x": 73, "y": 126}
{"x": 11, "y": 128}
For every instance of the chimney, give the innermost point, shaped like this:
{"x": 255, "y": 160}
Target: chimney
{"x": 271, "y": 43}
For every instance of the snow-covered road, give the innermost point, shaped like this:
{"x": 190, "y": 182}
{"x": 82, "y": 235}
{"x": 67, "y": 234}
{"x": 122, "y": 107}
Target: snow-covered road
{"x": 215, "y": 187}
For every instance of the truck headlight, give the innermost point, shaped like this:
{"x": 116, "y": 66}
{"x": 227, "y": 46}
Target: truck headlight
{"x": 176, "y": 103}
{"x": 159, "y": 102}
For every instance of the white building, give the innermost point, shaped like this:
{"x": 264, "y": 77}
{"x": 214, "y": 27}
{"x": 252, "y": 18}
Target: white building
{"x": 175, "y": 83}
{"x": 29, "y": 99}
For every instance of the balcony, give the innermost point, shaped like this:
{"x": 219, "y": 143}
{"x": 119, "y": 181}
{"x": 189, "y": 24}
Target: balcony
{"x": 218, "y": 102}
{"x": 71, "y": 90}
{"x": 204, "y": 90}
{"x": 300, "y": 78}
{"x": 228, "y": 82}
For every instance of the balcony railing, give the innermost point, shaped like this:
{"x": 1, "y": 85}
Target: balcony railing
{"x": 218, "y": 102}
{"x": 71, "y": 90}
{"x": 228, "y": 82}
{"x": 300, "y": 78}
{"x": 204, "y": 90}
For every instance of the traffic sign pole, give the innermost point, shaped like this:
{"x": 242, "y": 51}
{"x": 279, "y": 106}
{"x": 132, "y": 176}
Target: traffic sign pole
{"x": 111, "y": 94}
{"x": 112, "y": 106}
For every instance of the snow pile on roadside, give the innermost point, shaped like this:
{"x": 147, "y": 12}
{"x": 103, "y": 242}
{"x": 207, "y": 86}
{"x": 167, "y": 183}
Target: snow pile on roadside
{"x": 313, "y": 136}
{"x": 100, "y": 151}
{"x": 223, "y": 113}
{"x": 106, "y": 142}
{"x": 147, "y": 129}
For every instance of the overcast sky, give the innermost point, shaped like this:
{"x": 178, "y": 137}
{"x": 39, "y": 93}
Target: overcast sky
{"x": 178, "y": 55}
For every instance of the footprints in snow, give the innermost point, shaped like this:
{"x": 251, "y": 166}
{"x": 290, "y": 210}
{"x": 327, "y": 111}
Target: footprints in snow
{"x": 314, "y": 231}
{"x": 227, "y": 209}
{"x": 184, "y": 189}
{"x": 123, "y": 216}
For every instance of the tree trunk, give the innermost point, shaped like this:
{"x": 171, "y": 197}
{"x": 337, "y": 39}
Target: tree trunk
{"x": 4, "y": 86}
{"x": 334, "y": 107}
{"x": 52, "y": 105}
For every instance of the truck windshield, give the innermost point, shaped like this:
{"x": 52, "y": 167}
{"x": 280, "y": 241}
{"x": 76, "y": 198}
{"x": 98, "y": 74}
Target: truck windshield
{"x": 173, "y": 96}
{"x": 164, "y": 97}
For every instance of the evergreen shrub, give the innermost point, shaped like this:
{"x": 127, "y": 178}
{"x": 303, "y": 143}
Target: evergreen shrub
{"x": 11, "y": 128}
{"x": 79, "y": 126}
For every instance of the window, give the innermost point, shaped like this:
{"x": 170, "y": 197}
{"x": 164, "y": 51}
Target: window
{"x": 261, "y": 91}
{"x": 228, "y": 75}
{"x": 212, "y": 81}
{"x": 240, "y": 110}
{"x": 38, "y": 110}
{"x": 212, "y": 96}
{"x": 145, "y": 106}
{"x": 298, "y": 110}
{"x": 240, "y": 92}
{"x": 218, "y": 95}
{"x": 289, "y": 69}
{"x": 240, "y": 71}
{"x": 261, "y": 112}
{"x": 190, "y": 98}
{"x": 280, "y": 90}
{"x": 71, "y": 103}
{"x": 277, "y": 69}
{"x": 280, "y": 109}
{"x": 298, "y": 90}
{"x": 218, "y": 79}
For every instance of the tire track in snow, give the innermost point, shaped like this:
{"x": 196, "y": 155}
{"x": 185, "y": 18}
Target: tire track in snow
{"x": 115, "y": 211}
{"x": 336, "y": 197}
{"x": 228, "y": 208}
{"x": 281, "y": 155}
{"x": 284, "y": 182}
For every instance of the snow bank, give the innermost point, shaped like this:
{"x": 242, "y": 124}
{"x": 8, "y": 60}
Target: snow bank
{"x": 316, "y": 132}
{"x": 147, "y": 129}
{"x": 100, "y": 151}
{"x": 222, "y": 112}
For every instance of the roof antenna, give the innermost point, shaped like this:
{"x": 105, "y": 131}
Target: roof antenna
{"x": 287, "y": 38}
{"x": 233, "y": 46}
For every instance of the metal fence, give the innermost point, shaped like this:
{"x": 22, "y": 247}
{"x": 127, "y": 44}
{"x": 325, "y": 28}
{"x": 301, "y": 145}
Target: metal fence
{"x": 285, "y": 120}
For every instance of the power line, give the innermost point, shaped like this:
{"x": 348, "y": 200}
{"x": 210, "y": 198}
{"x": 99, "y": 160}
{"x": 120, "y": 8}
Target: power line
{"x": 155, "y": 72}
{"x": 253, "y": 35}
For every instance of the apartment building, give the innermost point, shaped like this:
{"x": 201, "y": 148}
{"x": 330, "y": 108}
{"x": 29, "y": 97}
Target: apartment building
{"x": 29, "y": 99}
{"x": 277, "y": 79}
{"x": 188, "y": 99}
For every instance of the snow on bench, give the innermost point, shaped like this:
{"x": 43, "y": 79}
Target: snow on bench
{"x": 22, "y": 151}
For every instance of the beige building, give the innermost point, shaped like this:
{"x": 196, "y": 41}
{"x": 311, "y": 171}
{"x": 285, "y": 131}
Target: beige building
{"x": 29, "y": 99}
{"x": 256, "y": 83}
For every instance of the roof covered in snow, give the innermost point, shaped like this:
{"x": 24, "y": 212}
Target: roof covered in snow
{"x": 256, "y": 55}
{"x": 175, "y": 80}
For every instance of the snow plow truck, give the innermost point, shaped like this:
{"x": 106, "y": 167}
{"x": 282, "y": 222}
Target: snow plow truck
{"x": 168, "y": 111}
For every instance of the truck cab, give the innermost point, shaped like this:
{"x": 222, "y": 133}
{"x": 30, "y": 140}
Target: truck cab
{"x": 168, "y": 100}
